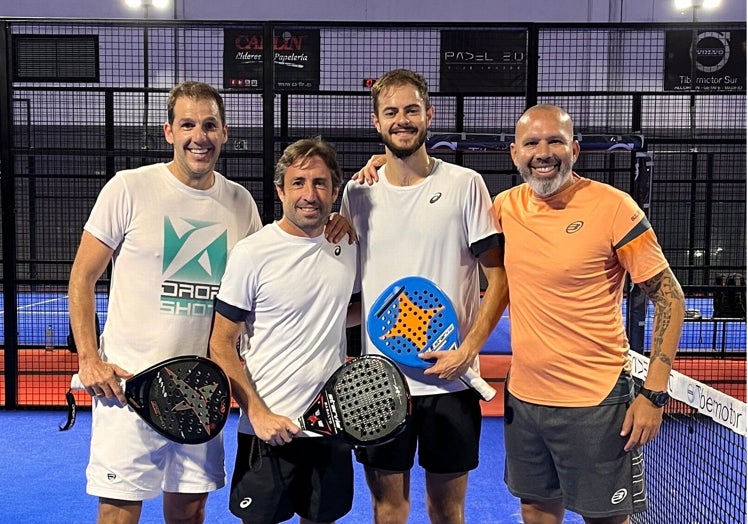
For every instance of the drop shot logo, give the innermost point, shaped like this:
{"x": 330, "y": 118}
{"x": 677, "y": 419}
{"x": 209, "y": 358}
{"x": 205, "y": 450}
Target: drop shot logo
{"x": 195, "y": 254}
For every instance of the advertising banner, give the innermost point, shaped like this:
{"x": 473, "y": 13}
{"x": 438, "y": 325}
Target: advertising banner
{"x": 719, "y": 60}
{"x": 295, "y": 59}
{"x": 490, "y": 61}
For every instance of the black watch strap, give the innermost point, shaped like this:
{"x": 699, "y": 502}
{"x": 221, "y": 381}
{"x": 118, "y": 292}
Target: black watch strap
{"x": 658, "y": 398}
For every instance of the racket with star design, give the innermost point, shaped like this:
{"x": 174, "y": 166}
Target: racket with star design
{"x": 414, "y": 316}
{"x": 365, "y": 402}
{"x": 186, "y": 399}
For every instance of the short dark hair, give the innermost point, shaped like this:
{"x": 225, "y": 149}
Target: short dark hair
{"x": 197, "y": 91}
{"x": 304, "y": 150}
{"x": 399, "y": 77}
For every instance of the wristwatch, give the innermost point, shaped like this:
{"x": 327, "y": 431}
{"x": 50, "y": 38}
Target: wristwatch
{"x": 658, "y": 398}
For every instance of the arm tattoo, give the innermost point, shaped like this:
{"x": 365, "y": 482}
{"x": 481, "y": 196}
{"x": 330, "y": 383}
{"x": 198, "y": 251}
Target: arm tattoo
{"x": 657, "y": 354}
{"x": 661, "y": 289}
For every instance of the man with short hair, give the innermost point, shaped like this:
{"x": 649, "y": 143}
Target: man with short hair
{"x": 426, "y": 217}
{"x": 290, "y": 289}
{"x": 167, "y": 228}
{"x": 573, "y": 429}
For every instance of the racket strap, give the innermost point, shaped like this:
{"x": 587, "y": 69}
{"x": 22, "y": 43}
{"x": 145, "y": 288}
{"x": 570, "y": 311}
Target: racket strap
{"x": 72, "y": 411}
{"x": 255, "y": 454}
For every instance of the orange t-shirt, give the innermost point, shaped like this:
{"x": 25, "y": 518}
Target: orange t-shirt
{"x": 566, "y": 258}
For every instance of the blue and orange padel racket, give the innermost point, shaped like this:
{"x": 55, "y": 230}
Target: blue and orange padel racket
{"x": 413, "y": 316}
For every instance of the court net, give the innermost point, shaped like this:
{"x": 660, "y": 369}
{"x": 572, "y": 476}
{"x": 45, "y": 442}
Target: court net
{"x": 695, "y": 469}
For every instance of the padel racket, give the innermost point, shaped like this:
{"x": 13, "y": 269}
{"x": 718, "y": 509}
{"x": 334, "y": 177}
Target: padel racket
{"x": 186, "y": 399}
{"x": 413, "y": 316}
{"x": 365, "y": 402}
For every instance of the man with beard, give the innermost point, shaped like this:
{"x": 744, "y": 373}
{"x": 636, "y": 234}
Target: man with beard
{"x": 573, "y": 428}
{"x": 433, "y": 219}
{"x": 290, "y": 288}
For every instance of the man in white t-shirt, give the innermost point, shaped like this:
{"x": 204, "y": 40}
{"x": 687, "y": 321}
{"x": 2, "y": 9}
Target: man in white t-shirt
{"x": 167, "y": 228}
{"x": 426, "y": 217}
{"x": 289, "y": 289}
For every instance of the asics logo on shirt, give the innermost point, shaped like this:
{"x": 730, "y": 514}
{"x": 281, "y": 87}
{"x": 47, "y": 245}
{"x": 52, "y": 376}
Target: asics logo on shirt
{"x": 574, "y": 227}
{"x": 337, "y": 251}
{"x": 434, "y": 198}
{"x": 245, "y": 503}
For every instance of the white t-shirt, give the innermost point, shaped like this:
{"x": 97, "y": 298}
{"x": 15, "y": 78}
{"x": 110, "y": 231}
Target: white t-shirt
{"x": 427, "y": 230}
{"x": 171, "y": 244}
{"x": 295, "y": 292}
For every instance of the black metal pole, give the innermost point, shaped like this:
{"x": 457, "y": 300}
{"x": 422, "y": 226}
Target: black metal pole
{"x": 8, "y": 190}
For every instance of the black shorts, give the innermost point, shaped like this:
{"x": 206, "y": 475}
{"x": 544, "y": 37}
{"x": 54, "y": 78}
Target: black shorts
{"x": 310, "y": 477}
{"x": 445, "y": 428}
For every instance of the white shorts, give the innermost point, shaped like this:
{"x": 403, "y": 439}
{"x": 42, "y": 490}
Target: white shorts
{"x": 130, "y": 461}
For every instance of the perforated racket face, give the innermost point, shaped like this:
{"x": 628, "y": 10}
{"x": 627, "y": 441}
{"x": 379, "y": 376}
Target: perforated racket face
{"x": 186, "y": 399}
{"x": 372, "y": 399}
{"x": 412, "y": 316}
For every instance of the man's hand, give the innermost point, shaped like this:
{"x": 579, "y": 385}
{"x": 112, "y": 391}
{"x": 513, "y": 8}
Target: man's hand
{"x": 368, "y": 173}
{"x": 448, "y": 365}
{"x": 273, "y": 429}
{"x": 642, "y": 423}
{"x": 102, "y": 379}
{"x": 337, "y": 227}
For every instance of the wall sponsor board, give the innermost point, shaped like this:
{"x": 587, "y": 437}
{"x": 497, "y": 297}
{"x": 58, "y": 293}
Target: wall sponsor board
{"x": 717, "y": 62}
{"x": 491, "y": 61}
{"x": 295, "y": 59}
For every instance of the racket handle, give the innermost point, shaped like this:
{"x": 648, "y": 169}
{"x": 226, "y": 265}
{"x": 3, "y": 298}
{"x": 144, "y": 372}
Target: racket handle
{"x": 75, "y": 383}
{"x": 475, "y": 381}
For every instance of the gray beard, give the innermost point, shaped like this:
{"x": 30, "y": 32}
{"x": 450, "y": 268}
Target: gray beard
{"x": 544, "y": 187}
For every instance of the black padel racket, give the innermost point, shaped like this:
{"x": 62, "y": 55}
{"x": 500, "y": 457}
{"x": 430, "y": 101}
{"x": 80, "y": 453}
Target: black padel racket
{"x": 365, "y": 402}
{"x": 413, "y": 316}
{"x": 186, "y": 399}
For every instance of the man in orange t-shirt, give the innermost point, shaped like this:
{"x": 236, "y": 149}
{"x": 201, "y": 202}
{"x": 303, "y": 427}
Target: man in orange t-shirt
{"x": 573, "y": 428}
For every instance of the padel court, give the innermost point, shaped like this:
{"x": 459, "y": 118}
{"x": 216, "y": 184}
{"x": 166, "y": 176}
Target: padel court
{"x": 678, "y": 150}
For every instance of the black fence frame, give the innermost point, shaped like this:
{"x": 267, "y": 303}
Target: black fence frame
{"x": 640, "y": 170}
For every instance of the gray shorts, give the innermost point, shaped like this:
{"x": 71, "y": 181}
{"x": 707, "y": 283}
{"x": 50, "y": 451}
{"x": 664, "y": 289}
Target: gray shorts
{"x": 574, "y": 456}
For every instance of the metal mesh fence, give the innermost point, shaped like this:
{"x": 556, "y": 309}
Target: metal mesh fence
{"x": 67, "y": 138}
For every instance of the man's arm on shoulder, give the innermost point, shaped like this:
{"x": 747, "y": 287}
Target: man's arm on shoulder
{"x": 337, "y": 227}
{"x": 368, "y": 174}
